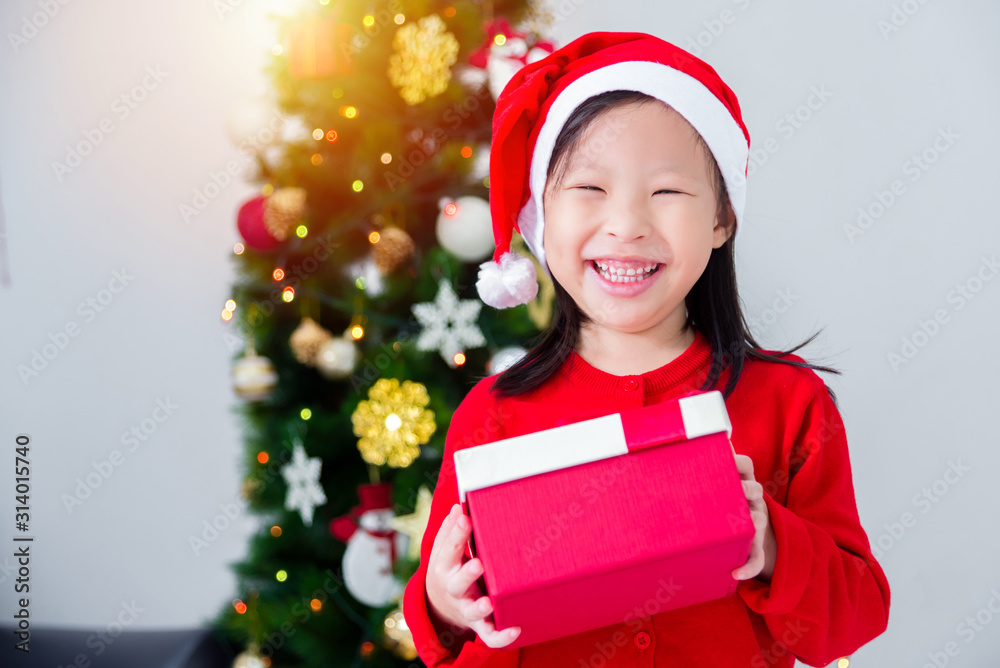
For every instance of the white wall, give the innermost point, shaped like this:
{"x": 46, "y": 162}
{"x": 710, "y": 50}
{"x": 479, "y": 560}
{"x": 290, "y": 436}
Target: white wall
{"x": 161, "y": 337}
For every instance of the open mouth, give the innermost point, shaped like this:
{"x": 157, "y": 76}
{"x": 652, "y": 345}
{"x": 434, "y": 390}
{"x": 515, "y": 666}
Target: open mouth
{"x": 622, "y": 274}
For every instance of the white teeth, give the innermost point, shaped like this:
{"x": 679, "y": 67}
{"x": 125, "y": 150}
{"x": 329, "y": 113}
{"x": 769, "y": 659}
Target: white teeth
{"x": 623, "y": 275}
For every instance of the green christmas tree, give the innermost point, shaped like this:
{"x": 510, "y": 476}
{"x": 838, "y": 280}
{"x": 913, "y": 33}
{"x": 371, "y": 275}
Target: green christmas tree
{"x": 355, "y": 322}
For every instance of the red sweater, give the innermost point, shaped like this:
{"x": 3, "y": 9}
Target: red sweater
{"x": 827, "y": 596}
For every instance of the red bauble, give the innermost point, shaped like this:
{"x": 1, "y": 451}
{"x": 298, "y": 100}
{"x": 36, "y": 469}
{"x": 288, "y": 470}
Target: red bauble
{"x": 250, "y": 222}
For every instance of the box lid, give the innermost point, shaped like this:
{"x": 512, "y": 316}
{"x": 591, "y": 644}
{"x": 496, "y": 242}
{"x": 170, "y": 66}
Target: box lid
{"x": 590, "y": 440}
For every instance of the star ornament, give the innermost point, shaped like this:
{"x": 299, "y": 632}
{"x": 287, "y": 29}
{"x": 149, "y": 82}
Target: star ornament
{"x": 302, "y": 477}
{"x": 449, "y": 323}
{"x": 415, "y": 525}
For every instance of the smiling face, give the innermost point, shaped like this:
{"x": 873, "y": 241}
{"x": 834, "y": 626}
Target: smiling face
{"x": 631, "y": 223}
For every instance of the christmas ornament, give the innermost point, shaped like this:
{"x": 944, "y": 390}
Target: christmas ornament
{"x": 302, "y": 478}
{"x": 337, "y": 357}
{"x": 317, "y": 48}
{"x": 366, "y": 276}
{"x": 421, "y": 65}
{"x": 283, "y": 209}
{"x": 393, "y": 422}
{"x": 413, "y": 526}
{"x": 393, "y": 248}
{"x": 397, "y": 637}
{"x": 449, "y": 324}
{"x": 502, "y": 58}
{"x": 250, "y": 223}
{"x": 307, "y": 339}
{"x": 464, "y": 228}
{"x": 505, "y": 358}
{"x": 249, "y": 659}
{"x": 535, "y": 105}
{"x": 254, "y": 377}
{"x": 372, "y": 547}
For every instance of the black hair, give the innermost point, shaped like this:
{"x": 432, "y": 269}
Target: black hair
{"x": 713, "y": 304}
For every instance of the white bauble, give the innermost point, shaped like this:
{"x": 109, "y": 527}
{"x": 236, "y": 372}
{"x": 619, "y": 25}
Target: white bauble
{"x": 467, "y": 232}
{"x": 505, "y": 358}
{"x": 337, "y": 358}
{"x": 254, "y": 378}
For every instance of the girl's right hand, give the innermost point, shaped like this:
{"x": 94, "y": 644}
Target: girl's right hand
{"x": 452, "y": 591}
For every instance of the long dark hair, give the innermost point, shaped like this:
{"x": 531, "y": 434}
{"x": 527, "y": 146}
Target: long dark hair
{"x": 713, "y": 304}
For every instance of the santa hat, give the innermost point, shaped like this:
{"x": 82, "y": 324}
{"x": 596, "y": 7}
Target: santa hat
{"x": 536, "y": 103}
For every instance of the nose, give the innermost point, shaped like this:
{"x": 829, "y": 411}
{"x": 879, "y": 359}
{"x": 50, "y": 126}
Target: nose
{"x": 628, "y": 219}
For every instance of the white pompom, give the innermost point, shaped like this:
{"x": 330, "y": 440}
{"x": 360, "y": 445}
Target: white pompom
{"x": 509, "y": 283}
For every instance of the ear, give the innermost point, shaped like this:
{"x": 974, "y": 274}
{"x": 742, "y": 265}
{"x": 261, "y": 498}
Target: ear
{"x": 725, "y": 226}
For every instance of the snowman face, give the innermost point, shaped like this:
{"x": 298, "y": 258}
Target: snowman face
{"x": 376, "y": 520}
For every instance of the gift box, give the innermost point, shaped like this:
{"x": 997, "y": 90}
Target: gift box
{"x": 608, "y": 519}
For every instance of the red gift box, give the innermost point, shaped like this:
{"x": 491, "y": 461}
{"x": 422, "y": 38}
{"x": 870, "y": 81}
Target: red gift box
{"x": 606, "y": 520}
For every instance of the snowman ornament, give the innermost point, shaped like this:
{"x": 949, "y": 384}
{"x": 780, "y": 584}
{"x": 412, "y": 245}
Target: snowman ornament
{"x": 372, "y": 547}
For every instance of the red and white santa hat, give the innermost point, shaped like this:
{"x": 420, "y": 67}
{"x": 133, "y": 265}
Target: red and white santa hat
{"x": 535, "y": 105}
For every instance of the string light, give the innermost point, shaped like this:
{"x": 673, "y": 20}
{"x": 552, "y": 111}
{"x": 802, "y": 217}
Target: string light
{"x": 466, "y": 151}
{"x": 500, "y": 39}
{"x": 276, "y": 49}
{"x": 305, "y": 413}
{"x": 449, "y": 11}
{"x": 359, "y": 282}
{"x": 240, "y": 606}
{"x": 267, "y": 189}
{"x": 459, "y": 359}
{"x": 331, "y": 136}
{"x": 399, "y": 18}
{"x": 368, "y": 21}
{"x": 357, "y": 332}
{"x": 843, "y": 662}
{"x": 316, "y": 159}
{"x": 338, "y": 92}
{"x": 301, "y": 231}
{"x": 262, "y": 457}
{"x": 386, "y": 158}
{"x": 348, "y": 111}
{"x": 230, "y": 305}
{"x": 358, "y": 185}
{"x": 288, "y": 294}
{"x": 278, "y": 274}
{"x": 275, "y": 531}
{"x": 227, "y": 315}
{"x": 318, "y": 134}
{"x": 238, "y": 249}
{"x": 374, "y": 237}
{"x": 281, "y": 575}
{"x": 450, "y": 209}
{"x": 316, "y": 604}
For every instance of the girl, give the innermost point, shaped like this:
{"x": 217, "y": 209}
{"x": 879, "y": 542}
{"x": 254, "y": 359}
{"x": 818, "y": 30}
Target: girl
{"x": 621, "y": 159}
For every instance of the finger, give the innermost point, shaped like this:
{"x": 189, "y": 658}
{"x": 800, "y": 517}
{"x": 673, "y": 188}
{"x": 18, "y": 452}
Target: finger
{"x": 753, "y": 491}
{"x": 475, "y": 609}
{"x": 493, "y": 638}
{"x": 442, "y": 534}
{"x": 754, "y": 564}
{"x": 745, "y": 466}
{"x": 459, "y": 584}
{"x": 458, "y": 536}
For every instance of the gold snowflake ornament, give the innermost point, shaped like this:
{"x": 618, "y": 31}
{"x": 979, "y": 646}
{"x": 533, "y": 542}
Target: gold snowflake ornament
{"x": 393, "y": 423}
{"x": 421, "y": 66}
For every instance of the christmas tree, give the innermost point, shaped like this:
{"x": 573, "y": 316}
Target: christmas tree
{"x": 355, "y": 322}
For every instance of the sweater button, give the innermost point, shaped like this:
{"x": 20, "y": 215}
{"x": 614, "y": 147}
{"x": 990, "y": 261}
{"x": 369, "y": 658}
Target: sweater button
{"x": 641, "y": 640}
{"x": 630, "y": 384}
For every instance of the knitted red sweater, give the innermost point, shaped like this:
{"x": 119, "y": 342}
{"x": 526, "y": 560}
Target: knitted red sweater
{"x": 828, "y": 595}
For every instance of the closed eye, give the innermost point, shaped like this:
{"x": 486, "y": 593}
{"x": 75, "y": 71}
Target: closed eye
{"x": 667, "y": 191}
{"x": 589, "y": 188}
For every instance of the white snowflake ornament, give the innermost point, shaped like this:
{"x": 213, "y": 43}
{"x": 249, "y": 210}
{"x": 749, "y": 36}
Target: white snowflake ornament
{"x": 302, "y": 477}
{"x": 449, "y": 323}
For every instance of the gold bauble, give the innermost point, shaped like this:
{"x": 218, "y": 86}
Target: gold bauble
{"x": 307, "y": 339}
{"x": 393, "y": 422}
{"x": 394, "y": 247}
{"x": 283, "y": 209}
{"x": 397, "y": 635}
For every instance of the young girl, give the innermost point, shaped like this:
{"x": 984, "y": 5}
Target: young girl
{"x": 621, "y": 159}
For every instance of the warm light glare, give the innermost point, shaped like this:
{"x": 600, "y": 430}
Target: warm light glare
{"x": 238, "y": 249}
{"x": 399, "y": 18}
{"x": 305, "y": 413}
{"x": 392, "y": 422}
{"x": 288, "y": 294}
{"x": 358, "y": 185}
{"x": 262, "y": 457}
{"x": 368, "y": 20}
{"x": 276, "y": 49}
{"x": 500, "y": 40}
{"x": 359, "y": 282}
{"x": 301, "y": 231}
{"x": 230, "y": 305}
{"x": 450, "y": 209}
{"x": 843, "y": 663}
{"x": 316, "y": 604}
{"x": 331, "y": 136}
{"x": 459, "y": 359}
{"x": 227, "y": 315}
{"x": 466, "y": 151}
{"x": 278, "y": 274}
{"x": 318, "y": 134}
{"x": 281, "y": 575}
{"x": 267, "y": 189}
{"x": 357, "y": 332}
{"x": 348, "y": 112}
{"x": 374, "y": 237}
{"x": 275, "y": 531}
{"x": 240, "y": 606}
{"x": 316, "y": 159}
{"x": 386, "y": 158}
{"x": 449, "y": 11}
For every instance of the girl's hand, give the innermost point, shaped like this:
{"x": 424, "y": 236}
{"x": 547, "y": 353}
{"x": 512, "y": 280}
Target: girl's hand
{"x": 760, "y": 563}
{"x": 452, "y": 591}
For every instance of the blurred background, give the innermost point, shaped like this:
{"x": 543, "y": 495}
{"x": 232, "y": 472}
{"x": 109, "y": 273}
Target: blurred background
{"x": 217, "y": 216}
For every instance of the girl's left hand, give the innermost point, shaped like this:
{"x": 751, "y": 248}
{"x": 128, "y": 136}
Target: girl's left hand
{"x": 760, "y": 563}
